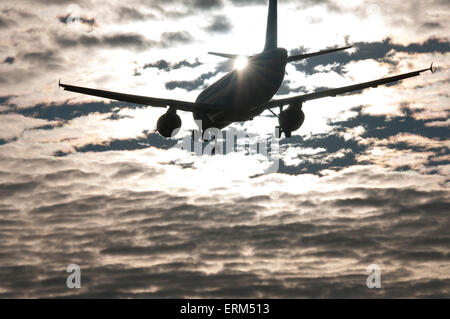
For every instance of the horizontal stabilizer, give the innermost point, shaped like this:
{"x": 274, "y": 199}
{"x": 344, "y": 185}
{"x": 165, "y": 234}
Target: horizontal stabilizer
{"x": 309, "y": 55}
{"x": 224, "y": 55}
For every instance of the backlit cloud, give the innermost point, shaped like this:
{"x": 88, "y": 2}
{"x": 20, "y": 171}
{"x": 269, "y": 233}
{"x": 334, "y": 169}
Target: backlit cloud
{"x": 88, "y": 181}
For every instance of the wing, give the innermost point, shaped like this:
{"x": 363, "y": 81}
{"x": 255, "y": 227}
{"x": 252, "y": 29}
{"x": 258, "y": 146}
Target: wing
{"x": 224, "y": 55}
{"x": 145, "y": 100}
{"x": 333, "y": 92}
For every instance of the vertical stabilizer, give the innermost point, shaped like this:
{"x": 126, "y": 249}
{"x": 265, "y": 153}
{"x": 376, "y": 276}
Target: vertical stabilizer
{"x": 272, "y": 29}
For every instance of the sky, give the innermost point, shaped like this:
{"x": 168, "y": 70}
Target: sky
{"x": 89, "y": 181}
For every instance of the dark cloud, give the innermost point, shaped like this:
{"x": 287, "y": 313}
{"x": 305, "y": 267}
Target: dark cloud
{"x": 9, "y": 60}
{"x": 187, "y": 64}
{"x": 220, "y": 24}
{"x": 14, "y": 188}
{"x": 115, "y": 116}
{"x": 160, "y": 65}
{"x": 248, "y": 2}
{"x": 173, "y": 38}
{"x": 196, "y": 84}
{"x": 66, "y": 112}
{"x": 207, "y": 4}
{"x": 167, "y": 66}
{"x": 148, "y": 140}
{"x": 286, "y": 89}
{"x": 123, "y": 41}
{"x": 128, "y": 14}
{"x": 382, "y": 51}
{"x": 340, "y": 152}
{"x": 126, "y": 40}
{"x": 431, "y": 26}
{"x": 6, "y": 23}
{"x": 201, "y": 4}
{"x": 48, "y": 59}
{"x": 383, "y": 126}
{"x": 199, "y": 82}
{"x": 18, "y": 12}
{"x": 5, "y": 99}
{"x": 179, "y": 240}
{"x": 65, "y": 20}
{"x": 197, "y": 4}
{"x": 39, "y": 56}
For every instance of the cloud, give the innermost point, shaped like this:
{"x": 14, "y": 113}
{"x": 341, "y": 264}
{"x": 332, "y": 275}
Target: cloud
{"x": 166, "y": 66}
{"x": 123, "y": 41}
{"x": 149, "y": 140}
{"x": 6, "y": 23}
{"x": 47, "y": 58}
{"x": 126, "y": 14}
{"x": 199, "y": 82}
{"x": 171, "y": 38}
{"x": 383, "y": 51}
{"x": 431, "y": 26}
{"x": 93, "y": 184}
{"x": 190, "y": 85}
{"x": 9, "y": 60}
{"x": 68, "y": 111}
{"x": 220, "y": 24}
{"x": 198, "y": 250}
{"x": 403, "y": 135}
{"x": 65, "y": 20}
{"x": 248, "y": 2}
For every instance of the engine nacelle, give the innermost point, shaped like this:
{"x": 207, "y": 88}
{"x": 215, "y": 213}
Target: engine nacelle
{"x": 168, "y": 123}
{"x": 291, "y": 119}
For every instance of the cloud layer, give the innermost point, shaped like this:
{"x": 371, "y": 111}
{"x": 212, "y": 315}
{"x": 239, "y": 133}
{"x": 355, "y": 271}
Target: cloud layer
{"x": 87, "y": 181}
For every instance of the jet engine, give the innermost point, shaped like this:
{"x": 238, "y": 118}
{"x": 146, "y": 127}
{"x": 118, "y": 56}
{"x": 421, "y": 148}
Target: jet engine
{"x": 291, "y": 119}
{"x": 168, "y": 123}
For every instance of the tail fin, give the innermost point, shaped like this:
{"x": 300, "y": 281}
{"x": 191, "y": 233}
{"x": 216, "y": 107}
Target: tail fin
{"x": 272, "y": 29}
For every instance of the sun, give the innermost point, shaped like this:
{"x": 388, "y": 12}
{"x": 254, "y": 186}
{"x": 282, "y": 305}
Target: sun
{"x": 240, "y": 63}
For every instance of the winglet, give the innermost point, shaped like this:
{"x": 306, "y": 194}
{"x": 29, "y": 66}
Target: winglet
{"x": 61, "y": 85}
{"x": 431, "y": 68}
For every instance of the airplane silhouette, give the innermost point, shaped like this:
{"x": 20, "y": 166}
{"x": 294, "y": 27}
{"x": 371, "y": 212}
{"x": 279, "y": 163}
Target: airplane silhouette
{"x": 243, "y": 94}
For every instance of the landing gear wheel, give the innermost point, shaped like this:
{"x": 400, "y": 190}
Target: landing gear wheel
{"x": 287, "y": 134}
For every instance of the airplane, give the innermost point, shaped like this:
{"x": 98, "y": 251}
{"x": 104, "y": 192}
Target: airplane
{"x": 243, "y": 94}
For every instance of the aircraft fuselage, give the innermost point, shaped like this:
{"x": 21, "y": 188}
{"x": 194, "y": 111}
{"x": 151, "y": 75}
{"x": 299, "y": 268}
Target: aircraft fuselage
{"x": 241, "y": 92}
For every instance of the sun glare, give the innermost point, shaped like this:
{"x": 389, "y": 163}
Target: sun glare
{"x": 240, "y": 63}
